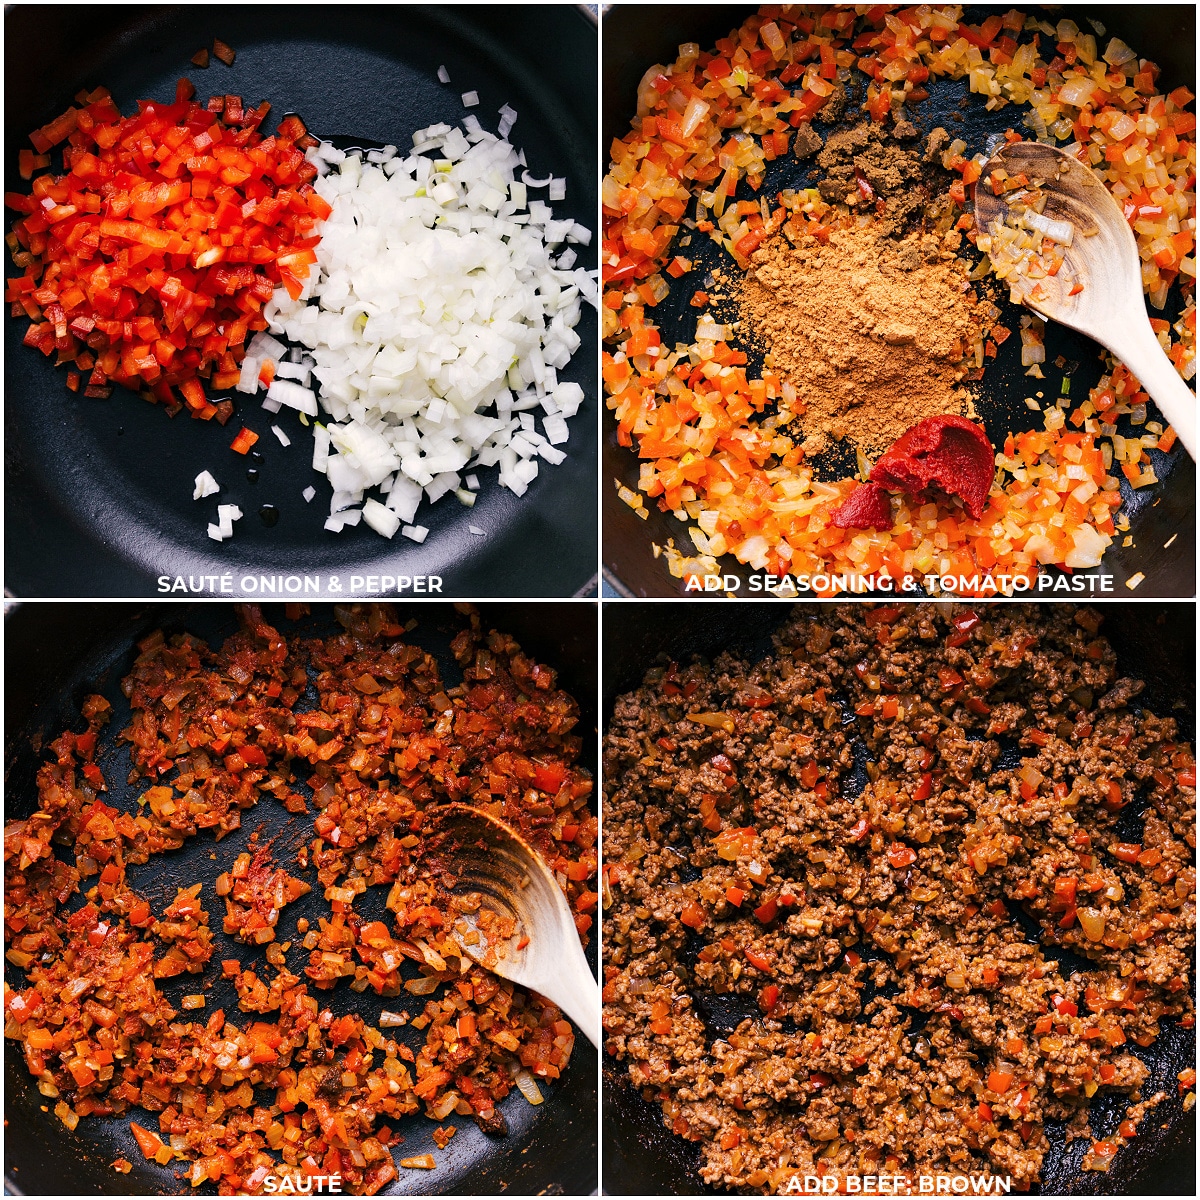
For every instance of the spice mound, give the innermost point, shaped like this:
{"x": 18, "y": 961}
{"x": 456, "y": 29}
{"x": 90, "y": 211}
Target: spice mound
{"x": 866, "y": 169}
{"x": 819, "y": 968}
{"x": 362, "y": 724}
{"x": 871, "y": 333}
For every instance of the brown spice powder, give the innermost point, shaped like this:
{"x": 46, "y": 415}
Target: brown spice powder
{"x": 905, "y": 188}
{"x": 871, "y": 332}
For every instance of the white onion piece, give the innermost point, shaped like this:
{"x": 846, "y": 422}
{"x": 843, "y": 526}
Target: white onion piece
{"x": 226, "y": 515}
{"x": 263, "y": 345}
{"x": 248, "y": 380}
{"x": 528, "y": 1086}
{"x": 206, "y": 485}
{"x": 1061, "y": 232}
{"x": 284, "y": 440}
{"x": 380, "y": 519}
{"x": 293, "y": 395}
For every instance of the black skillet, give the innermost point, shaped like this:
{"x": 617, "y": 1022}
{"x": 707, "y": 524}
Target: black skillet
{"x": 57, "y": 654}
{"x": 1153, "y": 642}
{"x": 99, "y": 492}
{"x": 636, "y": 36}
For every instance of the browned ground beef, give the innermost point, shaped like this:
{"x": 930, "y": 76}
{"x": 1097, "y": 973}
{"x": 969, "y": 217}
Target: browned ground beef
{"x": 904, "y": 1022}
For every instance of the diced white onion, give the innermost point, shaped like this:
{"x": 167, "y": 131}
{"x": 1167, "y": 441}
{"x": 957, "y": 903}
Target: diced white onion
{"x": 380, "y": 519}
{"x": 206, "y": 485}
{"x": 248, "y": 379}
{"x": 528, "y": 1086}
{"x": 418, "y": 533}
{"x": 284, "y": 440}
{"x": 441, "y": 313}
{"x": 226, "y": 515}
{"x": 443, "y": 74}
{"x": 1057, "y": 231}
{"x": 293, "y": 395}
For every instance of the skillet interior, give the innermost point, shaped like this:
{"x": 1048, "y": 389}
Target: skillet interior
{"x": 57, "y": 654}
{"x": 635, "y": 36}
{"x": 109, "y": 482}
{"x": 1153, "y": 642}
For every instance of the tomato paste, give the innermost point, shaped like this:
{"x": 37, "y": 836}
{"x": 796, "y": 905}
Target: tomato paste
{"x": 948, "y": 452}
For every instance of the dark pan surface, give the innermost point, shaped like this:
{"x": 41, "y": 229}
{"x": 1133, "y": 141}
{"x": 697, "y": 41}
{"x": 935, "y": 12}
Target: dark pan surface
{"x": 59, "y": 653}
{"x": 1153, "y": 642}
{"x": 99, "y": 492}
{"x": 635, "y": 37}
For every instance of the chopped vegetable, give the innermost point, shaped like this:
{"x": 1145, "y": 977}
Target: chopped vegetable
{"x": 97, "y": 1029}
{"x": 226, "y": 515}
{"x": 206, "y": 485}
{"x": 718, "y": 446}
{"x": 244, "y": 440}
{"x": 408, "y": 241}
{"x": 528, "y": 1086}
{"x": 147, "y": 264}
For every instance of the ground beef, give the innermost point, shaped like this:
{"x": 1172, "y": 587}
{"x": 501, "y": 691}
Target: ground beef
{"x": 493, "y": 1123}
{"x": 895, "y": 1015}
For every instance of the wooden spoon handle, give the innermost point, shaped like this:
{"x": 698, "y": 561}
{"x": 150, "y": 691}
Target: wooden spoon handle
{"x": 578, "y": 995}
{"x": 1140, "y": 352}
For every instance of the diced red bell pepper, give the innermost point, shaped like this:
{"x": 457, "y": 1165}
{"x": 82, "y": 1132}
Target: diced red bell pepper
{"x": 244, "y": 440}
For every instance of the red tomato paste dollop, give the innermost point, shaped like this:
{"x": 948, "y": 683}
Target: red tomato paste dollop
{"x": 949, "y": 452}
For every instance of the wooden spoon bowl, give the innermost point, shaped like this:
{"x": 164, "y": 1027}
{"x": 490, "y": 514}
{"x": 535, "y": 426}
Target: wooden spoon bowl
{"x": 1102, "y": 256}
{"x": 518, "y": 923}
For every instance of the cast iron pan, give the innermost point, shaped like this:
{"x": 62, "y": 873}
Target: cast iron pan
{"x": 636, "y": 36}
{"x": 99, "y": 492}
{"x": 1153, "y": 642}
{"x": 57, "y": 654}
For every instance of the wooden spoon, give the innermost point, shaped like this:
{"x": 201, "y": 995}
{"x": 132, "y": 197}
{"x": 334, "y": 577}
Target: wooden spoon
{"x": 479, "y": 856}
{"x": 1103, "y": 257}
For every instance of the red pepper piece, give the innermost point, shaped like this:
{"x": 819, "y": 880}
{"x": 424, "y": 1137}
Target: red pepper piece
{"x": 948, "y": 451}
{"x": 244, "y": 440}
